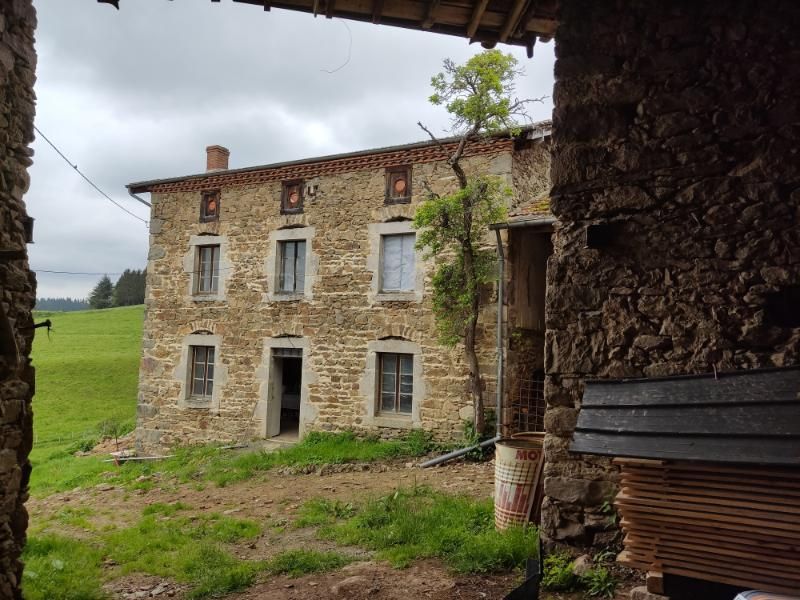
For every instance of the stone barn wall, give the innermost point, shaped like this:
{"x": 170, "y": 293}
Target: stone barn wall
{"x": 17, "y": 284}
{"x": 677, "y": 130}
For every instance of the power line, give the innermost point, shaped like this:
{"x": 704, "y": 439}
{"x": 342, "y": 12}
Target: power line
{"x": 75, "y": 273}
{"x": 89, "y": 181}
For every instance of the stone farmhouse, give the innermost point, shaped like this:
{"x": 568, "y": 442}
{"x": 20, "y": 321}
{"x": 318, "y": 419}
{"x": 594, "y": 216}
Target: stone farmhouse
{"x": 290, "y": 297}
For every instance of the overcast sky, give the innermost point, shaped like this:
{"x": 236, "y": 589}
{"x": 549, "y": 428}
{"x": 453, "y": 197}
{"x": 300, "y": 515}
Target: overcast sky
{"x": 138, "y": 94}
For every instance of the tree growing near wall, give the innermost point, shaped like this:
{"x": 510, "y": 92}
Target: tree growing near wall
{"x": 479, "y": 96}
{"x": 102, "y": 295}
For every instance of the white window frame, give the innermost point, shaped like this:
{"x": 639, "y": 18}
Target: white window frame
{"x": 376, "y": 233}
{"x": 191, "y": 265}
{"x": 370, "y": 385}
{"x": 272, "y": 266}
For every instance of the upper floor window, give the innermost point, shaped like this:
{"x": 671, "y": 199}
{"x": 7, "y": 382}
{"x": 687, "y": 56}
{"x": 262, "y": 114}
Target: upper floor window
{"x": 207, "y": 273}
{"x": 397, "y": 262}
{"x": 202, "y": 376}
{"x": 291, "y": 279}
{"x": 209, "y": 206}
{"x": 292, "y": 197}
{"x": 398, "y": 185}
{"x": 396, "y": 383}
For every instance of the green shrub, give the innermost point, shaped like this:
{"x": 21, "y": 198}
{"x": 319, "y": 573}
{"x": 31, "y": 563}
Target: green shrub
{"x": 558, "y": 575}
{"x": 599, "y": 582}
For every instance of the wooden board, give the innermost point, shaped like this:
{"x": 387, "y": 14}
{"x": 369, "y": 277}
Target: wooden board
{"x": 729, "y": 524}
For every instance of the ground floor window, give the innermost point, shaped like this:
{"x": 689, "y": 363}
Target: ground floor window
{"x": 396, "y": 383}
{"x": 202, "y": 371}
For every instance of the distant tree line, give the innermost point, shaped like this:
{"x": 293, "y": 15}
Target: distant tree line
{"x": 61, "y": 304}
{"x": 128, "y": 290}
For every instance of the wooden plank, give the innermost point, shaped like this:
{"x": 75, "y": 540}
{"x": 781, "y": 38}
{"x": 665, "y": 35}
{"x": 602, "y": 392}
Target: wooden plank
{"x": 740, "y": 387}
{"x": 782, "y": 560}
{"x": 513, "y": 18}
{"x": 704, "y": 531}
{"x": 475, "y": 19}
{"x": 739, "y": 450}
{"x": 702, "y": 496}
{"x": 723, "y": 484}
{"x": 764, "y": 517}
{"x": 772, "y": 421}
{"x": 725, "y": 473}
{"x": 430, "y": 18}
{"x": 692, "y": 535}
{"x": 377, "y": 10}
{"x": 755, "y": 530}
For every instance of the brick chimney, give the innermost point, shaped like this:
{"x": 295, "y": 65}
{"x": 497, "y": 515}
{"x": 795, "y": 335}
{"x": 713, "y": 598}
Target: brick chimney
{"x": 217, "y": 158}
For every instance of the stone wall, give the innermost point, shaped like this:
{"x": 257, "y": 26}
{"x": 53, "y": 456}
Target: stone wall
{"x": 338, "y": 324}
{"x": 17, "y": 284}
{"x": 677, "y": 128}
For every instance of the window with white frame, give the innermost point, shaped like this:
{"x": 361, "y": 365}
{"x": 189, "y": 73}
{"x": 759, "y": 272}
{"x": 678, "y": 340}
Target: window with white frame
{"x": 291, "y": 278}
{"x": 207, "y": 273}
{"x": 202, "y": 376}
{"x": 397, "y": 263}
{"x": 396, "y": 383}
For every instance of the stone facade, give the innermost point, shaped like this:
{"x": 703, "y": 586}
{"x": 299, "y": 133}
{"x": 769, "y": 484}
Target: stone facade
{"x": 17, "y": 284}
{"x": 340, "y": 322}
{"x": 675, "y": 135}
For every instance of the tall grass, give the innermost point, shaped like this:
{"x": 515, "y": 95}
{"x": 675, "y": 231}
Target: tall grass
{"x": 420, "y": 523}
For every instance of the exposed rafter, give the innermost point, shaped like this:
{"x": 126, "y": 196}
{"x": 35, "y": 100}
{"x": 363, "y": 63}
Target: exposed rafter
{"x": 489, "y": 22}
{"x": 513, "y": 18}
{"x": 377, "y": 11}
{"x": 430, "y": 19}
{"x": 475, "y": 20}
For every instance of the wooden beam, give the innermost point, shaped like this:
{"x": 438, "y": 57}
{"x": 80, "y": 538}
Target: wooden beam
{"x": 430, "y": 19}
{"x": 329, "y": 9}
{"x": 475, "y": 21}
{"x": 377, "y": 9}
{"x": 513, "y": 18}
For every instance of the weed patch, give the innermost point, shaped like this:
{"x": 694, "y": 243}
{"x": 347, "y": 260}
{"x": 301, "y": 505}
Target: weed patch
{"x": 197, "y": 464}
{"x": 420, "y": 523}
{"x": 295, "y": 563}
{"x": 59, "y": 568}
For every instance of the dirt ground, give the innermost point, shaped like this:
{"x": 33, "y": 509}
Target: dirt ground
{"x": 274, "y": 501}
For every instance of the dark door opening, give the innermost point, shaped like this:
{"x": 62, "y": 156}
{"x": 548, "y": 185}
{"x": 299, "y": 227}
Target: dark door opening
{"x": 291, "y": 379}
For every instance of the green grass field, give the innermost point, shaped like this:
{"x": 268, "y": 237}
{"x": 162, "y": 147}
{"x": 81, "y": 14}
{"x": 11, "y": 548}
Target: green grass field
{"x": 86, "y": 372}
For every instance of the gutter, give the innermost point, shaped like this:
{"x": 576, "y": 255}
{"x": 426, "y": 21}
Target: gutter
{"x": 140, "y": 199}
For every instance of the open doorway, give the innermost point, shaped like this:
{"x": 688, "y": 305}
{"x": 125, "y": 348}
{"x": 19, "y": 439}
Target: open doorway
{"x": 529, "y": 249}
{"x": 286, "y": 374}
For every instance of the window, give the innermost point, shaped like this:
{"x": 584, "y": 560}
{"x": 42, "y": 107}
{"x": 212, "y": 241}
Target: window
{"x": 292, "y": 197}
{"x": 396, "y": 383}
{"x": 291, "y": 279}
{"x": 398, "y": 185}
{"x": 209, "y": 206}
{"x": 207, "y": 275}
{"x": 202, "y": 382}
{"x": 397, "y": 263}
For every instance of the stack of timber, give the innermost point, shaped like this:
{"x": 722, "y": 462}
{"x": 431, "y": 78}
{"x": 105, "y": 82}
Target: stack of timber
{"x": 734, "y": 524}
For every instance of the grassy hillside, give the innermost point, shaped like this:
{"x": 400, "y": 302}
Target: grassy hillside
{"x": 86, "y": 372}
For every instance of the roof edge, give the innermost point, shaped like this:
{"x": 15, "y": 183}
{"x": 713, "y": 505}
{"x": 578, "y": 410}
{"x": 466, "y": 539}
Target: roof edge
{"x": 537, "y": 130}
